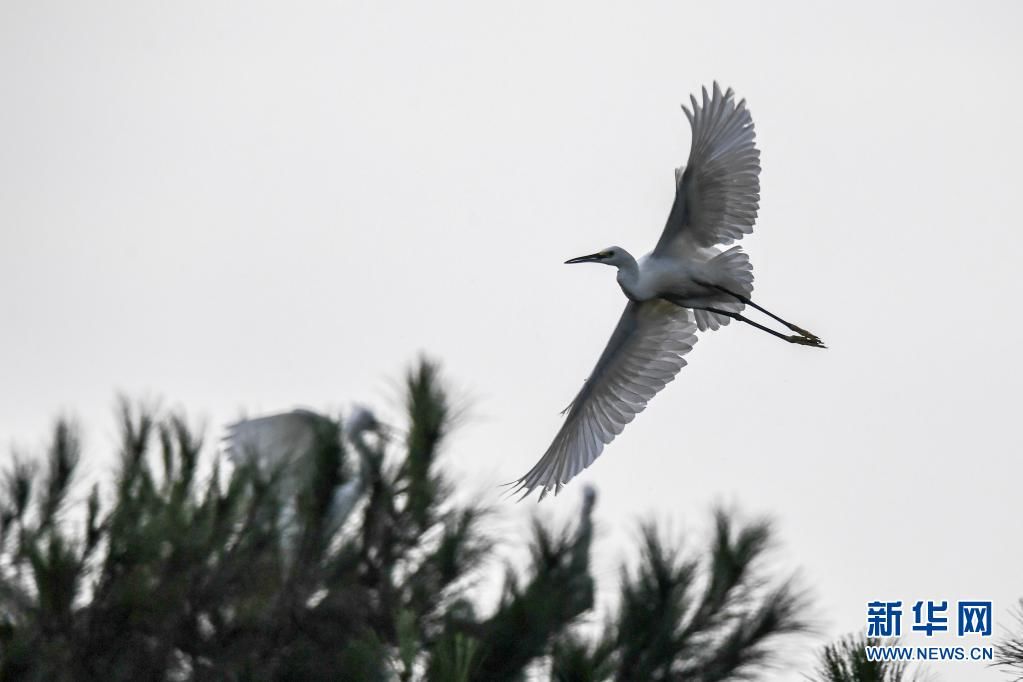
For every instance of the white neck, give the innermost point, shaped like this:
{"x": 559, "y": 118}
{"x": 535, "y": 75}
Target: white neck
{"x": 628, "y": 275}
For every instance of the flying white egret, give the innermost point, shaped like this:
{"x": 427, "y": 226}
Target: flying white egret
{"x": 687, "y": 283}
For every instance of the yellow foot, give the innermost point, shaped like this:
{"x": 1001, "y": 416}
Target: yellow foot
{"x": 803, "y": 332}
{"x": 806, "y": 340}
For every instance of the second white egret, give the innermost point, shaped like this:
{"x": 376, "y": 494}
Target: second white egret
{"x": 687, "y": 283}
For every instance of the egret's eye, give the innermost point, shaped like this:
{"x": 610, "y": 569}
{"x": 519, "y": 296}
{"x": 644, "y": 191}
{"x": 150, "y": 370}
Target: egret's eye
{"x": 607, "y": 254}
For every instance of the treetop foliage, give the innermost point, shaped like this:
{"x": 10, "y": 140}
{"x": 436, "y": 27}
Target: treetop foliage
{"x": 347, "y": 559}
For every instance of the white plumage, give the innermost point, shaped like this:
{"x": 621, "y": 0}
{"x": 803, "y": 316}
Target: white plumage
{"x": 282, "y": 444}
{"x": 687, "y": 283}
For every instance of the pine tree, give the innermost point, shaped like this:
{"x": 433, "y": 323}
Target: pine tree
{"x": 1009, "y": 651}
{"x": 846, "y": 661}
{"x": 347, "y": 560}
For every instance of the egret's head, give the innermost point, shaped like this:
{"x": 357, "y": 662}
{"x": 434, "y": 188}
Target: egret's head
{"x": 612, "y": 255}
{"x": 361, "y": 419}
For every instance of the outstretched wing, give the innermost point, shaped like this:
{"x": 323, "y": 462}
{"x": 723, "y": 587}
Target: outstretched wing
{"x": 644, "y": 353}
{"x": 273, "y": 440}
{"x": 717, "y": 194}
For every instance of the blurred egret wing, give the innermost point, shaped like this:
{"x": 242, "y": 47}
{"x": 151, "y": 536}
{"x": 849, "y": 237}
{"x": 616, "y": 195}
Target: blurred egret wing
{"x": 273, "y": 440}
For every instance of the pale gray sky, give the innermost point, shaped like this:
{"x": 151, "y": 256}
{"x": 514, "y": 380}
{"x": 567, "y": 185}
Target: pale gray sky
{"x": 256, "y": 205}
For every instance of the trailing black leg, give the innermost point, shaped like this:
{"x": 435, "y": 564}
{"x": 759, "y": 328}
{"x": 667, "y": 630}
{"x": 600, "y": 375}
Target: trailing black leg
{"x": 801, "y": 339}
{"x": 747, "y": 301}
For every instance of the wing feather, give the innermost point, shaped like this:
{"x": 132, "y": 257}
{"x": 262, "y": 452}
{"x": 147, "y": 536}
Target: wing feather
{"x": 272, "y": 440}
{"x": 644, "y": 353}
{"x": 717, "y": 192}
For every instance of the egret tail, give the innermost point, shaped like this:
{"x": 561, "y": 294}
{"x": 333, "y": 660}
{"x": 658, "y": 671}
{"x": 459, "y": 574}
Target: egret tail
{"x": 734, "y": 272}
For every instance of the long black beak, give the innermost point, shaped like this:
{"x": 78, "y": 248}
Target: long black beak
{"x": 592, "y": 258}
